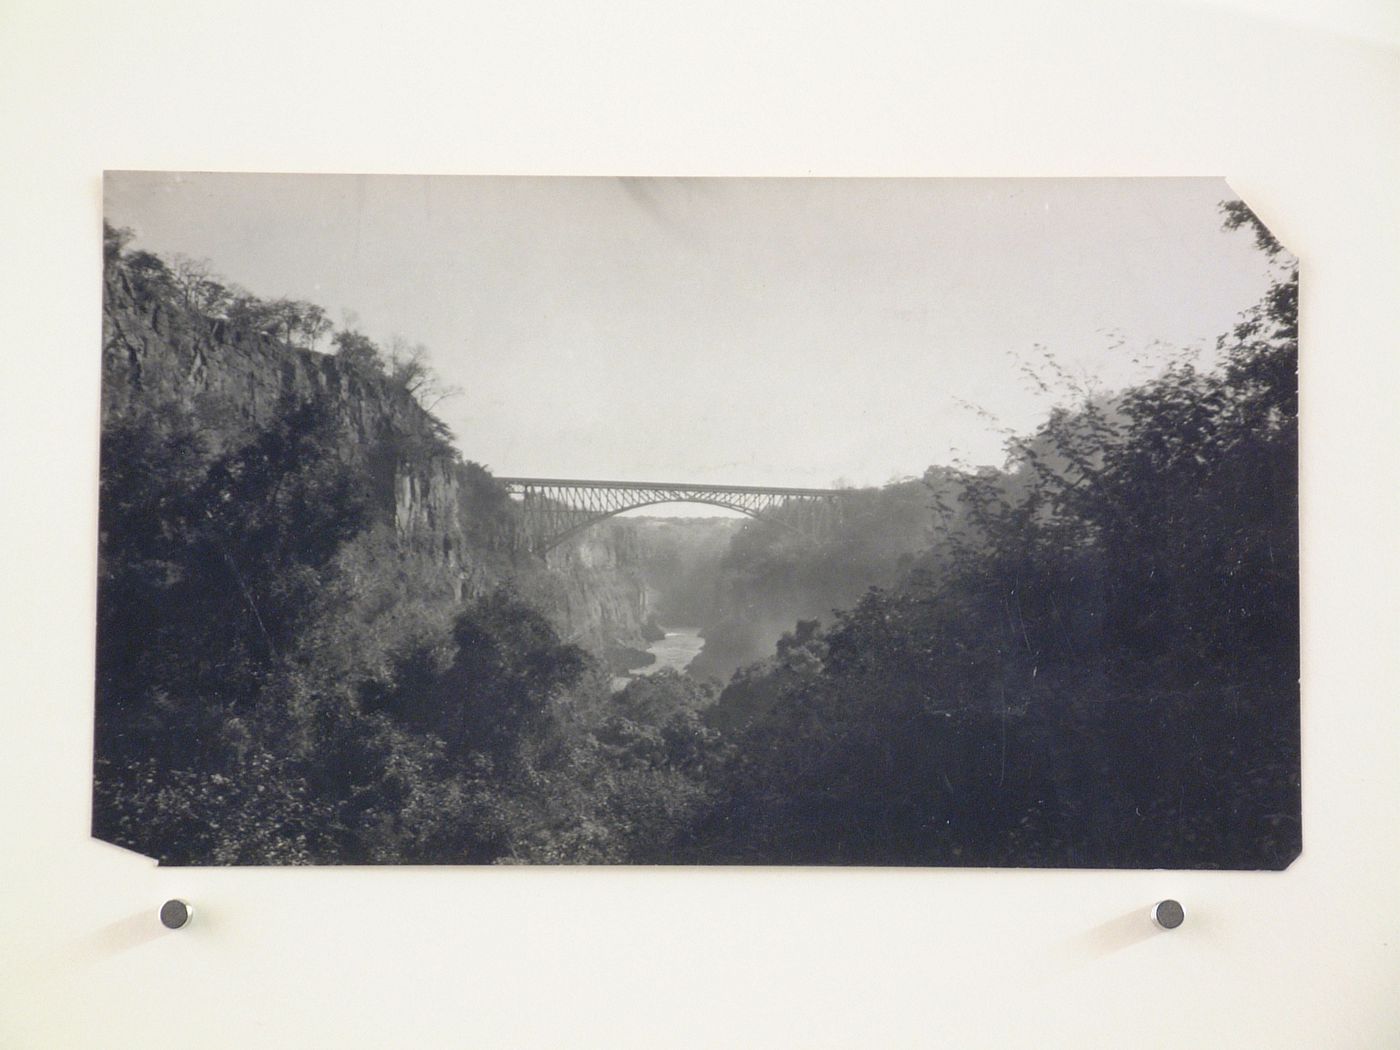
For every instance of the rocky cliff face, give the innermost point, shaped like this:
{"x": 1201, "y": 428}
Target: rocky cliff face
{"x": 601, "y": 597}
{"x": 449, "y": 516}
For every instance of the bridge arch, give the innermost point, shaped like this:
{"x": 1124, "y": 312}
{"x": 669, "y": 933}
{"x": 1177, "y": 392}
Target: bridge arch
{"x": 554, "y": 509}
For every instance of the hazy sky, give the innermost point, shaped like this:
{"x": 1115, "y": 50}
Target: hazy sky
{"x": 751, "y": 331}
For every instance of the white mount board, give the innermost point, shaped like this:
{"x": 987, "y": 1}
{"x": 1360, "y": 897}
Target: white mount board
{"x": 1300, "y": 117}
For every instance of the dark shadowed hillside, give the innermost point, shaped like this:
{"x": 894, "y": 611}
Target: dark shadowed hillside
{"x": 294, "y": 563}
{"x": 1101, "y": 669}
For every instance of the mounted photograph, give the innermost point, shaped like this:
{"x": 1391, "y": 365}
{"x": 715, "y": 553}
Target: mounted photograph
{"x": 700, "y": 521}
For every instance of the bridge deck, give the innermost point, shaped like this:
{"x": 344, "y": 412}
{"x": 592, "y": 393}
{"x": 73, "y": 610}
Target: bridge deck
{"x": 667, "y": 486}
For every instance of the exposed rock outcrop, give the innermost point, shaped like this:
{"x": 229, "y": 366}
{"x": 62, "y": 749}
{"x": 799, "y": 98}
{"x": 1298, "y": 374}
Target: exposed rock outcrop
{"x": 450, "y": 516}
{"x": 602, "y": 600}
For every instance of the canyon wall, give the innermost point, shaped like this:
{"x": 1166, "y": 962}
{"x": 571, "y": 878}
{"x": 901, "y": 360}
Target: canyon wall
{"x": 599, "y": 596}
{"x": 449, "y": 516}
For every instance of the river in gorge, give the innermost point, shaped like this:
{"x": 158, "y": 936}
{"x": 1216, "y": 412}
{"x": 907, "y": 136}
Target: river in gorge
{"x": 676, "y": 650}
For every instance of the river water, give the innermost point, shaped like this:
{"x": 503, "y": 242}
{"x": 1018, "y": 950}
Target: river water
{"x": 676, "y": 650}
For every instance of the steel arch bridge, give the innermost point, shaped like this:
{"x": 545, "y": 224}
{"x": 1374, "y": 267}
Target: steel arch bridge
{"x": 554, "y": 509}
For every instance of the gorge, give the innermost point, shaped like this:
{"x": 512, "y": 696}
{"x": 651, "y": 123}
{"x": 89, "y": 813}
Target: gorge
{"x": 451, "y": 523}
{"x": 324, "y": 636}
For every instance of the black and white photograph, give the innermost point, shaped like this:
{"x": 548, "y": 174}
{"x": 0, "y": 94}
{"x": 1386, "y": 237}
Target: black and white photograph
{"x": 696, "y": 521}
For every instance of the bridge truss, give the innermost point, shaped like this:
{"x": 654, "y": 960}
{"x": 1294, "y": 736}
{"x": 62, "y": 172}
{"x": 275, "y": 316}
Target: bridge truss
{"x": 554, "y": 509}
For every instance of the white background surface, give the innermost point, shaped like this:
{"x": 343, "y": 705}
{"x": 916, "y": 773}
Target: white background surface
{"x": 1296, "y": 102}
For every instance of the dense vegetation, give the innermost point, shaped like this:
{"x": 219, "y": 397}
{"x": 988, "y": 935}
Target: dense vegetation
{"x": 1102, "y": 671}
{"x": 280, "y": 678}
{"x": 1092, "y": 661}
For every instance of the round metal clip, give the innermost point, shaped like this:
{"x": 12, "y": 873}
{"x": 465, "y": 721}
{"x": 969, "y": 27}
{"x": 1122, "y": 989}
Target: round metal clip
{"x": 1168, "y": 914}
{"x": 175, "y": 913}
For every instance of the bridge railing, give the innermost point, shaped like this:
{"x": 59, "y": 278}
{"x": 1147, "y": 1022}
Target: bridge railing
{"x": 675, "y": 486}
{"x": 556, "y": 508}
